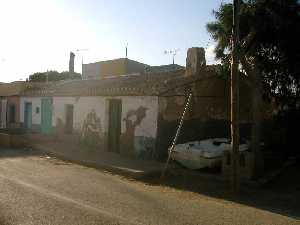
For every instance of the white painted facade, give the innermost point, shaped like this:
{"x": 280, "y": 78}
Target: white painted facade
{"x": 36, "y": 109}
{"x": 144, "y": 107}
{"x": 84, "y": 105}
{"x": 148, "y": 126}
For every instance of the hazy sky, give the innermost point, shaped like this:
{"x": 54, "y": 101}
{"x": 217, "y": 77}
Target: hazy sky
{"x": 38, "y": 35}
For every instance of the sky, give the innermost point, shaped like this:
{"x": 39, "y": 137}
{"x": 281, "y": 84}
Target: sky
{"x": 38, "y": 35}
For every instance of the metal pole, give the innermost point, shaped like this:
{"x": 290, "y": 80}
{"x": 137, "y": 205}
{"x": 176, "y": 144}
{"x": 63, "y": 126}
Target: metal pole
{"x": 235, "y": 182}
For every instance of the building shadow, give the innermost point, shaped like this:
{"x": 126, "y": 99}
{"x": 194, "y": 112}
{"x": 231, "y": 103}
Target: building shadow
{"x": 18, "y": 152}
{"x": 274, "y": 197}
{"x": 281, "y": 196}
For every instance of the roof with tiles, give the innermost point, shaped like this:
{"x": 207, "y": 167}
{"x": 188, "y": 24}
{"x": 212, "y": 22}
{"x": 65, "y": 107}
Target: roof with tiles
{"x": 12, "y": 89}
{"x": 149, "y": 84}
{"x": 41, "y": 88}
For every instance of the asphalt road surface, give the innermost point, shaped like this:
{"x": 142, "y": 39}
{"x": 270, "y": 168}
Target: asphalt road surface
{"x": 37, "y": 189}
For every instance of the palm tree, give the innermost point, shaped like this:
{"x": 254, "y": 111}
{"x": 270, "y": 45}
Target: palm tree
{"x": 267, "y": 52}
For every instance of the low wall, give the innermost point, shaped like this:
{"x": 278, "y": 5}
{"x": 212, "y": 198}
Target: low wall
{"x": 13, "y": 140}
{"x": 5, "y": 140}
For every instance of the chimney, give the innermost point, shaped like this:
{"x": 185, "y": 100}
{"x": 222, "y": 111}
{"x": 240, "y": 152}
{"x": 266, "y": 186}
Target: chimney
{"x": 195, "y": 61}
{"x": 71, "y": 62}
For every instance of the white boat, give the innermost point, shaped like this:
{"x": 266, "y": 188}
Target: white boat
{"x": 204, "y": 153}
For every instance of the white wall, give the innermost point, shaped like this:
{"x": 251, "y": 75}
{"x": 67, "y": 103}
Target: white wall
{"x": 36, "y": 102}
{"x": 148, "y": 126}
{"x": 84, "y": 105}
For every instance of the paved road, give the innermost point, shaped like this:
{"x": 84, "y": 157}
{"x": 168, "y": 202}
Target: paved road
{"x": 37, "y": 189}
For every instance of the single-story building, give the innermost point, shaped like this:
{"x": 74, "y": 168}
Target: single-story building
{"x": 137, "y": 114}
{"x": 36, "y": 107}
{"x": 10, "y": 104}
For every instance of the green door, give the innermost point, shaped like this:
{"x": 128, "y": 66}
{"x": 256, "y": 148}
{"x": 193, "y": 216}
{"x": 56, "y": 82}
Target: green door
{"x": 28, "y": 115}
{"x": 46, "y": 116}
{"x": 114, "y": 125}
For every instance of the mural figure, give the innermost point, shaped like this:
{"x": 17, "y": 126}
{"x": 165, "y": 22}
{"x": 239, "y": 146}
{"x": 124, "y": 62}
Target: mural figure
{"x": 132, "y": 120}
{"x": 91, "y": 133}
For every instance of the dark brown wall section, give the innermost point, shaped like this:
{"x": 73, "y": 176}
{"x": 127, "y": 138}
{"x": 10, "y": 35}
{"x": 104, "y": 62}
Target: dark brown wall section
{"x": 207, "y": 117}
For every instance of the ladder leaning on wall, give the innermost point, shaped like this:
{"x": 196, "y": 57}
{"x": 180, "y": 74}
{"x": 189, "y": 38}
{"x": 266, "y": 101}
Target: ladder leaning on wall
{"x": 176, "y": 135}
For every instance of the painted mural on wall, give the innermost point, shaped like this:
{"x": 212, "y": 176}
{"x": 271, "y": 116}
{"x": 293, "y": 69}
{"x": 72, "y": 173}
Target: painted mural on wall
{"x": 144, "y": 147}
{"x": 91, "y": 133}
{"x": 131, "y": 144}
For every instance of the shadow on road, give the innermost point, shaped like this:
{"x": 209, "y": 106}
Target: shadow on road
{"x": 281, "y": 196}
{"x": 18, "y": 152}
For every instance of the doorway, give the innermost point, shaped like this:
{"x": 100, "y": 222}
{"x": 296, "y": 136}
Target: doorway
{"x": 69, "y": 118}
{"x": 3, "y": 113}
{"x": 114, "y": 125}
{"x": 28, "y": 115}
{"x": 46, "y": 116}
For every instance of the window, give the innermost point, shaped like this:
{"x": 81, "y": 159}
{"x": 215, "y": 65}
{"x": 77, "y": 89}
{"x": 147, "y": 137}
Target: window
{"x": 12, "y": 113}
{"x": 37, "y": 110}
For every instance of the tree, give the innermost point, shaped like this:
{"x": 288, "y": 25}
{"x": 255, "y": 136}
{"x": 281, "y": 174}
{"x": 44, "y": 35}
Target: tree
{"x": 269, "y": 52}
{"x": 269, "y": 36}
{"x": 53, "y": 76}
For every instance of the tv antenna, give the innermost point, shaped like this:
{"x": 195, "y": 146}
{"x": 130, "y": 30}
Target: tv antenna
{"x": 172, "y": 52}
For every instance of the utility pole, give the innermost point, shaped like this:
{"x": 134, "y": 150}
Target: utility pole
{"x": 235, "y": 181}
